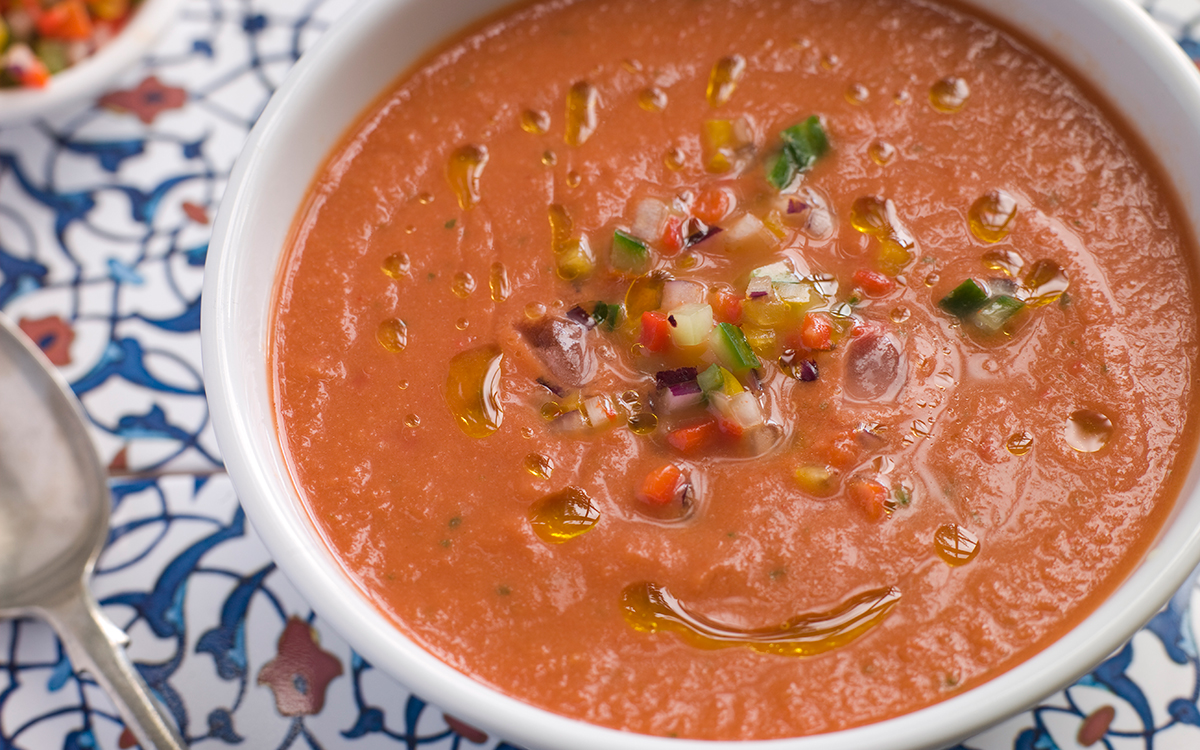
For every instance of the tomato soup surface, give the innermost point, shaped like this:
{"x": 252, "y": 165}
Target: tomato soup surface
{"x": 736, "y": 369}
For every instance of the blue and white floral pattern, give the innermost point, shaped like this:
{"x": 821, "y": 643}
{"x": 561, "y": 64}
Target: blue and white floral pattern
{"x": 104, "y": 222}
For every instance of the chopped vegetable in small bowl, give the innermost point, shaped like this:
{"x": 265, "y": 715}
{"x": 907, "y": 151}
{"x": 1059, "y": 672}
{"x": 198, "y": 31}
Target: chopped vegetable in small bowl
{"x": 57, "y": 52}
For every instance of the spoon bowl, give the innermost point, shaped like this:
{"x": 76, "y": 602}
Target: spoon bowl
{"x": 54, "y": 507}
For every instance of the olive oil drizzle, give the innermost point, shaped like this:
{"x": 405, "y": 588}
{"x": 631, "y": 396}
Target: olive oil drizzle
{"x": 650, "y": 608}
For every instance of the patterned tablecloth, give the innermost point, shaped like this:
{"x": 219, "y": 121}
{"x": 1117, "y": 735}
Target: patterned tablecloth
{"x": 105, "y": 216}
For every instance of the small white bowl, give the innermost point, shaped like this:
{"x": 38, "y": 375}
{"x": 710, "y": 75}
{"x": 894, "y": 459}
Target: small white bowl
{"x": 1110, "y": 44}
{"x": 90, "y": 76}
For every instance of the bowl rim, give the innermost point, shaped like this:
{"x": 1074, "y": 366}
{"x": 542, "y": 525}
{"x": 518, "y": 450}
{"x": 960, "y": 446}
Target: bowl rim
{"x": 270, "y": 502}
{"x": 89, "y": 76}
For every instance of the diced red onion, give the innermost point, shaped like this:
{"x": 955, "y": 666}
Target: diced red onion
{"x": 685, "y": 389}
{"x": 578, "y": 315}
{"x": 668, "y": 378}
{"x": 808, "y": 370}
{"x": 556, "y": 390}
{"x": 796, "y": 206}
{"x": 682, "y": 396}
{"x": 758, "y": 287}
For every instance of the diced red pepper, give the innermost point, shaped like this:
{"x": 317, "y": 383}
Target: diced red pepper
{"x": 873, "y": 283}
{"x": 870, "y": 496}
{"x": 672, "y": 236}
{"x": 712, "y": 205}
{"x": 727, "y": 307}
{"x": 661, "y": 486}
{"x": 67, "y": 19}
{"x": 694, "y": 437}
{"x": 816, "y": 332}
{"x": 656, "y": 331}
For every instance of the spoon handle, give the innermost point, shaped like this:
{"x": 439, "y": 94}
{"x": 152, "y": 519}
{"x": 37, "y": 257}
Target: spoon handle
{"x": 95, "y": 644}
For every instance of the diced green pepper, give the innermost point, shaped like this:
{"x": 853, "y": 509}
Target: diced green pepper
{"x": 806, "y": 142}
{"x": 730, "y": 345}
{"x": 608, "y": 315}
{"x": 996, "y": 312}
{"x": 803, "y": 144}
{"x": 629, "y": 254}
{"x": 53, "y": 53}
{"x": 966, "y": 298}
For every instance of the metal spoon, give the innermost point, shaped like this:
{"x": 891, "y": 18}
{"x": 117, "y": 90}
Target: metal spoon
{"x": 54, "y": 506}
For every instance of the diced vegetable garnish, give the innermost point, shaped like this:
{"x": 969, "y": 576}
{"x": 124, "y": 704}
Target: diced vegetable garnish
{"x": 682, "y": 396}
{"x": 656, "y": 331}
{"x": 870, "y": 496}
{"x": 965, "y": 299}
{"x": 725, "y": 143}
{"x": 575, "y": 260}
{"x": 873, "y": 283}
{"x": 727, "y": 306}
{"x": 24, "y": 67}
{"x": 996, "y": 312}
{"x": 629, "y": 254}
{"x": 680, "y": 292}
{"x": 803, "y": 144}
{"x": 694, "y": 437}
{"x": 816, "y": 480}
{"x": 662, "y": 486}
{"x": 747, "y": 234}
{"x": 712, "y": 205}
{"x": 66, "y": 19}
{"x": 607, "y": 315}
{"x": 41, "y": 37}
{"x": 668, "y": 378}
{"x": 729, "y": 344}
{"x": 599, "y": 412}
{"x": 691, "y": 324}
{"x": 817, "y": 331}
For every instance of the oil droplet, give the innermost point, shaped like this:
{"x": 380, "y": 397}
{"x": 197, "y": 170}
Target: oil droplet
{"x": 392, "y": 335}
{"x": 473, "y": 390}
{"x": 724, "y": 78}
{"x": 563, "y": 515}
{"x": 463, "y": 284}
{"x": 397, "y": 265}
{"x": 462, "y": 324}
{"x": 902, "y": 97}
{"x": 633, "y": 66}
{"x": 1007, "y": 262}
{"x": 463, "y": 172}
{"x": 412, "y": 420}
{"x": 1087, "y": 431}
{"x": 402, "y": 385}
{"x": 674, "y": 159}
{"x": 539, "y": 465}
{"x": 630, "y": 399}
{"x": 1019, "y": 443}
{"x": 650, "y": 608}
{"x": 644, "y": 294}
{"x": 527, "y": 433}
{"x": 881, "y": 152}
{"x": 991, "y": 216}
{"x": 1045, "y": 283}
{"x": 573, "y": 179}
{"x": 410, "y": 229}
{"x": 652, "y": 99}
{"x": 498, "y": 282}
{"x": 956, "y": 545}
{"x": 643, "y": 423}
{"x": 829, "y": 62}
{"x": 551, "y": 410}
{"x": 535, "y": 121}
{"x": 549, "y": 158}
{"x": 949, "y": 95}
{"x": 535, "y": 310}
{"x": 582, "y": 102}
{"x": 687, "y": 261}
{"x": 900, "y": 314}
{"x": 932, "y": 279}
{"x": 425, "y": 198}
{"x": 857, "y": 94}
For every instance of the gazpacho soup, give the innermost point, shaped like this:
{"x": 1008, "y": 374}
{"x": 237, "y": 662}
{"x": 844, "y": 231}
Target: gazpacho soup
{"x": 736, "y": 370}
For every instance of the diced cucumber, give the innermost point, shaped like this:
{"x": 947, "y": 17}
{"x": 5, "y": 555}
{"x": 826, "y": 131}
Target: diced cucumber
{"x": 629, "y": 254}
{"x": 965, "y": 299}
{"x": 996, "y": 312}
{"x": 730, "y": 345}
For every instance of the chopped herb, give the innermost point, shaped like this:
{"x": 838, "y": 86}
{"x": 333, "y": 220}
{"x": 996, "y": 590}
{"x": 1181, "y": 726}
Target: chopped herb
{"x": 450, "y": 224}
{"x": 455, "y": 522}
{"x": 777, "y": 574}
{"x": 803, "y": 144}
{"x": 903, "y": 495}
{"x": 445, "y": 542}
{"x": 431, "y": 275}
{"x": 503, "y": 590}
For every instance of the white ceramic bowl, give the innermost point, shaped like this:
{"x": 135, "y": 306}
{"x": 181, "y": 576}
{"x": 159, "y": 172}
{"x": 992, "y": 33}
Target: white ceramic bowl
{"x": 90, "y": 76}
{"x": 1111, "y": 44}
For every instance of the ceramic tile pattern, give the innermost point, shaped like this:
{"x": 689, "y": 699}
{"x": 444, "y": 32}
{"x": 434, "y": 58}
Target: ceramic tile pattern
{"x": 105, "y": 216}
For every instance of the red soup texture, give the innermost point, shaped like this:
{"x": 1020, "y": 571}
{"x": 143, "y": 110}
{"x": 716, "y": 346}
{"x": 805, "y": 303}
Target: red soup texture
{"x": 738, "y": 369}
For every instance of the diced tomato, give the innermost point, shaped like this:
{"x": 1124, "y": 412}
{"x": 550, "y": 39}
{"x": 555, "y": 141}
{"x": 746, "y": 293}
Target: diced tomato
{"x": 661, "y": 486}
{"x": 67, "y": 19}
{"x": 730, "y": 428}
{"x": 694, "y": 437}
{"x": 672, "y": 236}
{"x": 816, "y": 332}
{"x": 842, "y": 451}
{"x": 874, "y": 283}
{"x": 712, "y": 205}
{"x": 727, "y": 307}
{"x": 656, "y": 331}
{"x": 870, "y": 496}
